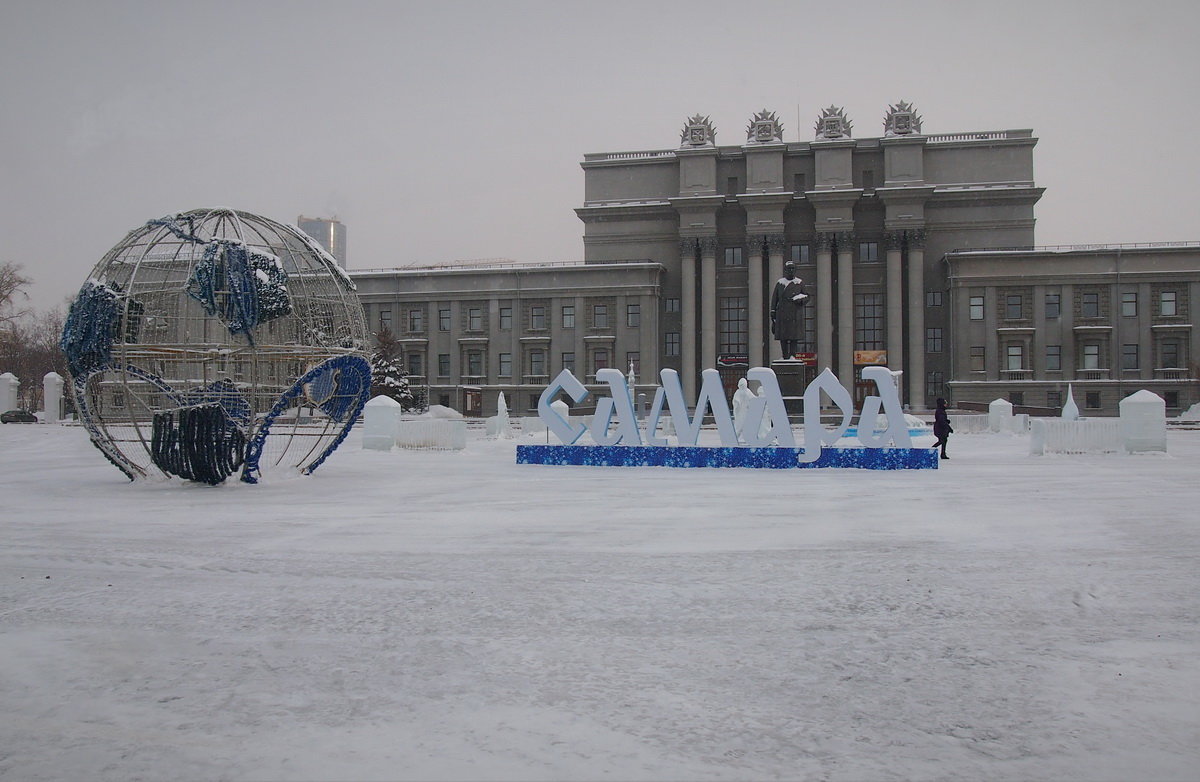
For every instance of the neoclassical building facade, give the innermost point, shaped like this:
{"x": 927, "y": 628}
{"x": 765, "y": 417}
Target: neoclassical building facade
{"x": 865, "y": 220}
{"x": 916, "y": 251}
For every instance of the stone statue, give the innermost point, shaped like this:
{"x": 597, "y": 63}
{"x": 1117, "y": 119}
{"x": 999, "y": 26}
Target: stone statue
{"x": 741, "y": 403}
{"x": 787, "y": 311}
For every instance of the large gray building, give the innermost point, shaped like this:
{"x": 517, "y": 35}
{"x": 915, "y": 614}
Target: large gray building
{"x": 891, "y": 236}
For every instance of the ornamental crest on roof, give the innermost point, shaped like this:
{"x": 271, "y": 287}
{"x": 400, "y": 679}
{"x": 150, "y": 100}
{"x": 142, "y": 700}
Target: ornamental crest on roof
{"x": 833, "y": 123}
{"x": 764, "y": 127}
{"x": 698, "y": 132}
{"x": 901, "y": 120}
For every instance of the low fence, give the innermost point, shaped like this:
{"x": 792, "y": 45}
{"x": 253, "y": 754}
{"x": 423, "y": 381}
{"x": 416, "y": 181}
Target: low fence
{"x": 1056, "y": 435}
{"x": 969, "y": 423}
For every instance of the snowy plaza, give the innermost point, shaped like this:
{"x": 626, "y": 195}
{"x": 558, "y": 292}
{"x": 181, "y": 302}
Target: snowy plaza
{"x": 418, "y": 614}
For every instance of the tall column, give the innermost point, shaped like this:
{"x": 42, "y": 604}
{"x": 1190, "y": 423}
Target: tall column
{"x": 708, "y": 302}
{"x": 895, "y": 303}
{"x": 775, "y": 245}
{"x": 687, "y": 339}
{"x": 754, "y": 300}
{"x": 845, "y": 245}
{"x": 916, "y": 319}
{"x": 825, "y": 356}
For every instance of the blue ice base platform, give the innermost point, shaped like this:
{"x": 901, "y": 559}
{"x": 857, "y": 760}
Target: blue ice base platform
{"x": 689, "y": 456}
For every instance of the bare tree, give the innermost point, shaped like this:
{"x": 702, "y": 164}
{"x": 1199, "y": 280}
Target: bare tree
{"x": 12, "y": 291}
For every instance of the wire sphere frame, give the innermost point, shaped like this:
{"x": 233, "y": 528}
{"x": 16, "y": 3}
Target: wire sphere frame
{"x": 176, "y": 328}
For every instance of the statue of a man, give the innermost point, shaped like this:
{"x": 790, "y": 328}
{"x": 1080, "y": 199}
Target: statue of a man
{"x": 787, "y": 310}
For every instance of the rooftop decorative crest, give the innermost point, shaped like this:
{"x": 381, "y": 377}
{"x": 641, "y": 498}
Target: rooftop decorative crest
{"x": 764, "y": 127}
{"x": 698, "y": 131}
{"x": 833, "y": 123}
{"x": 901, "y": 120}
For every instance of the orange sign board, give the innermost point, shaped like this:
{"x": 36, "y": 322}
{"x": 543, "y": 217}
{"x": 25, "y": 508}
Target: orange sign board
{"x": 870, "y": 357}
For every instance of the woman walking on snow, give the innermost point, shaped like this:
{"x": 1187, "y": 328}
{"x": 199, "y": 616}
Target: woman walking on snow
{"x": 941, "y": 426}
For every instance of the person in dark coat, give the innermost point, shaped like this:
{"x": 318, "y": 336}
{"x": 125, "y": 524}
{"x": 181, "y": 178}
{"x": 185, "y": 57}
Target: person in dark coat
{"x": 941, "y": 426}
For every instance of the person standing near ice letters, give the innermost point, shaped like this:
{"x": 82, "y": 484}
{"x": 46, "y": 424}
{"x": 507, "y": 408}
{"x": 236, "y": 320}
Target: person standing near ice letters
{"x": 787, "y": 310}
{"x": 941, "y": 426}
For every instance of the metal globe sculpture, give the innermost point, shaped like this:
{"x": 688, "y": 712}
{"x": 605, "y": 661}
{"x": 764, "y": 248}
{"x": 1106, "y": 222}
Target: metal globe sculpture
{"x": 215, "y": 342}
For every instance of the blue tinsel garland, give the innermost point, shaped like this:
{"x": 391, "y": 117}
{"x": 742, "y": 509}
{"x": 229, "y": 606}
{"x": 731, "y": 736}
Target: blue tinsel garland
{"x": 89, "y": 332}
{"x": 351, "y": 379}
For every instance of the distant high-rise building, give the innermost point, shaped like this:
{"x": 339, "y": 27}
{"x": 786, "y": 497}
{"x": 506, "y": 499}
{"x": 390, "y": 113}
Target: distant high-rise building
{"x": 329, "y": 233}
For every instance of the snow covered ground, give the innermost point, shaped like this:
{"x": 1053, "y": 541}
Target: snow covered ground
{"x": 452, "y": 615}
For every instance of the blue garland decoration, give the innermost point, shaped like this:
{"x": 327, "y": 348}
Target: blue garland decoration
{"x": 352, "y": 386}
{"x": 224, "y": 393}
{"x": 91, "y": 327}
{"x": 198, "y": 443}
{"x": 241, "y": 286}
{"x": 762, "y": 458}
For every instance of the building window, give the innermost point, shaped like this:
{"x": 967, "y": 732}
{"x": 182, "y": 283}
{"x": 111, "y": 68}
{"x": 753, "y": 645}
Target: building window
{"x": 568, "y": 316}
{"x": 868, "y": 321}
{"x": 444, "y": 320}
{"x": 731, "y": 186}
{"x": 506, "y": 318}
{"x": 868, "y": 252}
{"x": 1016, "y": 398}
{"x": 933, "y": 299}
{"x": 672, "y": 305}
{"x": 1129, "y": 305}
{"x": 1054, "y": 399}
{"x": 1091, "y": 356}
{"x": 600, "y": 316}
{"x": 1129, "y": 357}
{"x": 633, "y": 360}
{"x": 568, "y": 362}
{"x": 734, "y": 257}
{"x": 1090, "y": 306}
{"x": 1016, "y": 357}
{"x": 537, "y": 318}
{"x": 633, "y": 315}
{"x": 733, "y": 324}
{"x": 1012, "y": 307}
{"x": 868, "y": 179}
{"x": 599, "y": 360}
{"x": 1054, "y": 358}
{"x": 799, "y": 183}
{"x": 416, "y": 320}
{"x": 505, "y": 368}
{"x": 537, "y": 363}
{"x": 475, "y": 319}
{"x": 933, "y": 340}
{"x": 976, "y": 354}
{"x": 1091, "y": 400}
{"x": 1171, "y": 398}
{"x": 1053, "y": 306}
{"x": 443, "y": 365}
{"x": 1166, "y": 303}
{"x": 1170, "y": 354}
{"x": 798, "y": 253}
{"x": 415, "y": 365}
{"x": 672, "y": 343}
{"x": 385, "y": 320}
{"x": 976, "y": 303}
{"x": 444, "y": 400}
{"x": 475, "y": 363}
{"x": 935, "y": 385}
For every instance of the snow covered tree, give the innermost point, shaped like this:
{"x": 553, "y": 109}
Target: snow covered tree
{"x": 388, "y": 375}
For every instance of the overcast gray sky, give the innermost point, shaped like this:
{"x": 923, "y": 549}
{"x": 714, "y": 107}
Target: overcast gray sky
{"x": 442, "y": 131}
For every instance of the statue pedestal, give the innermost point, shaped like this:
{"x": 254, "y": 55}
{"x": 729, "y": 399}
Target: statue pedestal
{"x": 794, "y": 376}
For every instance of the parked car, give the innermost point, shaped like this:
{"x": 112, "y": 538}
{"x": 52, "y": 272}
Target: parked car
{"x": 18, "y": 417}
